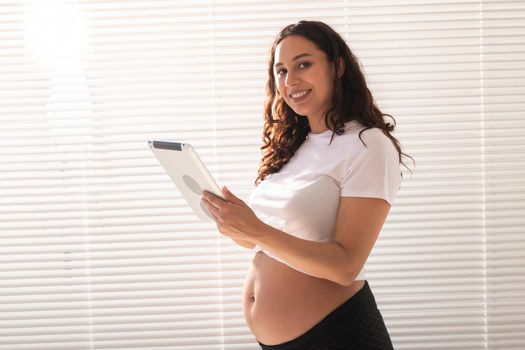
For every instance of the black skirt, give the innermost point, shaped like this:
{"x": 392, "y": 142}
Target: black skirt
{"x": 355, "y": 325}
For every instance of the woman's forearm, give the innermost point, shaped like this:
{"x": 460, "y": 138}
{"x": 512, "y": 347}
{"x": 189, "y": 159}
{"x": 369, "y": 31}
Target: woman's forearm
{"x": 244, "y": 243}
{"x": 328, "y": 260}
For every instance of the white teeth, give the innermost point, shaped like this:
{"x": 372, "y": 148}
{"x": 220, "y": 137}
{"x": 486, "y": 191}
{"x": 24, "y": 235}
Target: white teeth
{"x": 299, "y": 94}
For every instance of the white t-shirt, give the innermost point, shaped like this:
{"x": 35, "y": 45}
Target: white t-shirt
{"x": 302, "y": 199}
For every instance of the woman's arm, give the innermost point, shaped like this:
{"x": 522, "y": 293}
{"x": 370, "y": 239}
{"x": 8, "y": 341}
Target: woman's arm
{"x": 359, "y": 222}
{"x": 243, "y": 243}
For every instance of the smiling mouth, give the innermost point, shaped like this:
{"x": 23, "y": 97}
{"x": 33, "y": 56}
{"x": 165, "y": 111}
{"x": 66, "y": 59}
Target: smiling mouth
{"x": 300, "y": 95}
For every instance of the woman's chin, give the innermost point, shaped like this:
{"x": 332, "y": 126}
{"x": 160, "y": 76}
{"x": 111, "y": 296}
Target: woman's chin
{"x": 303, "y": 112}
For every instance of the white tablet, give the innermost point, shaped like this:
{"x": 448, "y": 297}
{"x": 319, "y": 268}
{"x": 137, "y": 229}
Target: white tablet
{"x": 188, "y": 172}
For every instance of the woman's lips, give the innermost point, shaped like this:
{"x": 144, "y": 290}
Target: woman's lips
{"x": 300, "y": 96}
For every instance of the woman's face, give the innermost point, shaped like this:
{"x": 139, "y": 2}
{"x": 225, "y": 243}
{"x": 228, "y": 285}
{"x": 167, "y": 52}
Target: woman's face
{"x": 304, "y": 77}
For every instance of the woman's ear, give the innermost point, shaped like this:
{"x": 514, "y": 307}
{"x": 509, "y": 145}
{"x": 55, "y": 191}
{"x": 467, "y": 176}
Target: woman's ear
{"x": 340, "y": 67}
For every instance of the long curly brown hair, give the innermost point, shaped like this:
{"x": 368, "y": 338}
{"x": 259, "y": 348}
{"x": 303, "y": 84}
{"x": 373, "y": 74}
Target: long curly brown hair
{"x": 284, "y": 130}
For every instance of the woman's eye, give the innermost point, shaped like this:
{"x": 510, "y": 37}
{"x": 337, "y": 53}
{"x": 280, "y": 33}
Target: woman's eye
{"x": 304, "y": 65}
{"x": 280, "y": 72}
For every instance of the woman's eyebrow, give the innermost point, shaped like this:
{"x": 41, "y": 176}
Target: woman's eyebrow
{"x": 294, "y": 59}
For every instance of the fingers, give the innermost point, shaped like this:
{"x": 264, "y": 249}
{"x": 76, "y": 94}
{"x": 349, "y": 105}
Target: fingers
{"x": 212, "y": 208}
{"x": 214, "y": 204}
{"x": 218, "y": 207}
{"x": 230, "y": 196}
{"x": 218, "y": 201}
{"x": 212, "y": 199}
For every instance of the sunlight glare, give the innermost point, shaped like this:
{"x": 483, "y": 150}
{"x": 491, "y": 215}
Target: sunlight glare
{"x": 54, "y": 32}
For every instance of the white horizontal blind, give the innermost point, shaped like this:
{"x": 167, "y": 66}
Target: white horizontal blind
{"x": 423, "y": 60}
{"x": 504, "y": 162}
{"x": 44, "y": 283}
{"x": 149, "y": 68}
{"x": 98, "y": 249}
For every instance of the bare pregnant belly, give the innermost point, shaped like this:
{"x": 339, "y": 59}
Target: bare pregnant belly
{"x": 281, "y": 303}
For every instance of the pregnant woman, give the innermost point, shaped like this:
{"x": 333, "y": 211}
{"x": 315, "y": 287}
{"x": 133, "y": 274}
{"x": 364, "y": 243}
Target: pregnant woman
{"x": 329, "y": 173}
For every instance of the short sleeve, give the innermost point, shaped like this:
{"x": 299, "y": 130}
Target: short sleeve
{"x": 375, "y": 171}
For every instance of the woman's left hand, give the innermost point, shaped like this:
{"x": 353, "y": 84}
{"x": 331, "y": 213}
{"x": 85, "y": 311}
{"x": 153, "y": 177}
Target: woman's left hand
{"x": 234, "y": 218}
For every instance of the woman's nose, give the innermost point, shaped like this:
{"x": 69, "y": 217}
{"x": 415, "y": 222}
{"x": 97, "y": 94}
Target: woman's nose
{"x": 291, "y": 79}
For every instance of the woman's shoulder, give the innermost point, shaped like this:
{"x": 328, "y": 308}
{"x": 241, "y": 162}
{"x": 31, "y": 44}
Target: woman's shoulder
{"x": 375, "y": 137}
{"x": 372, "y": 137}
